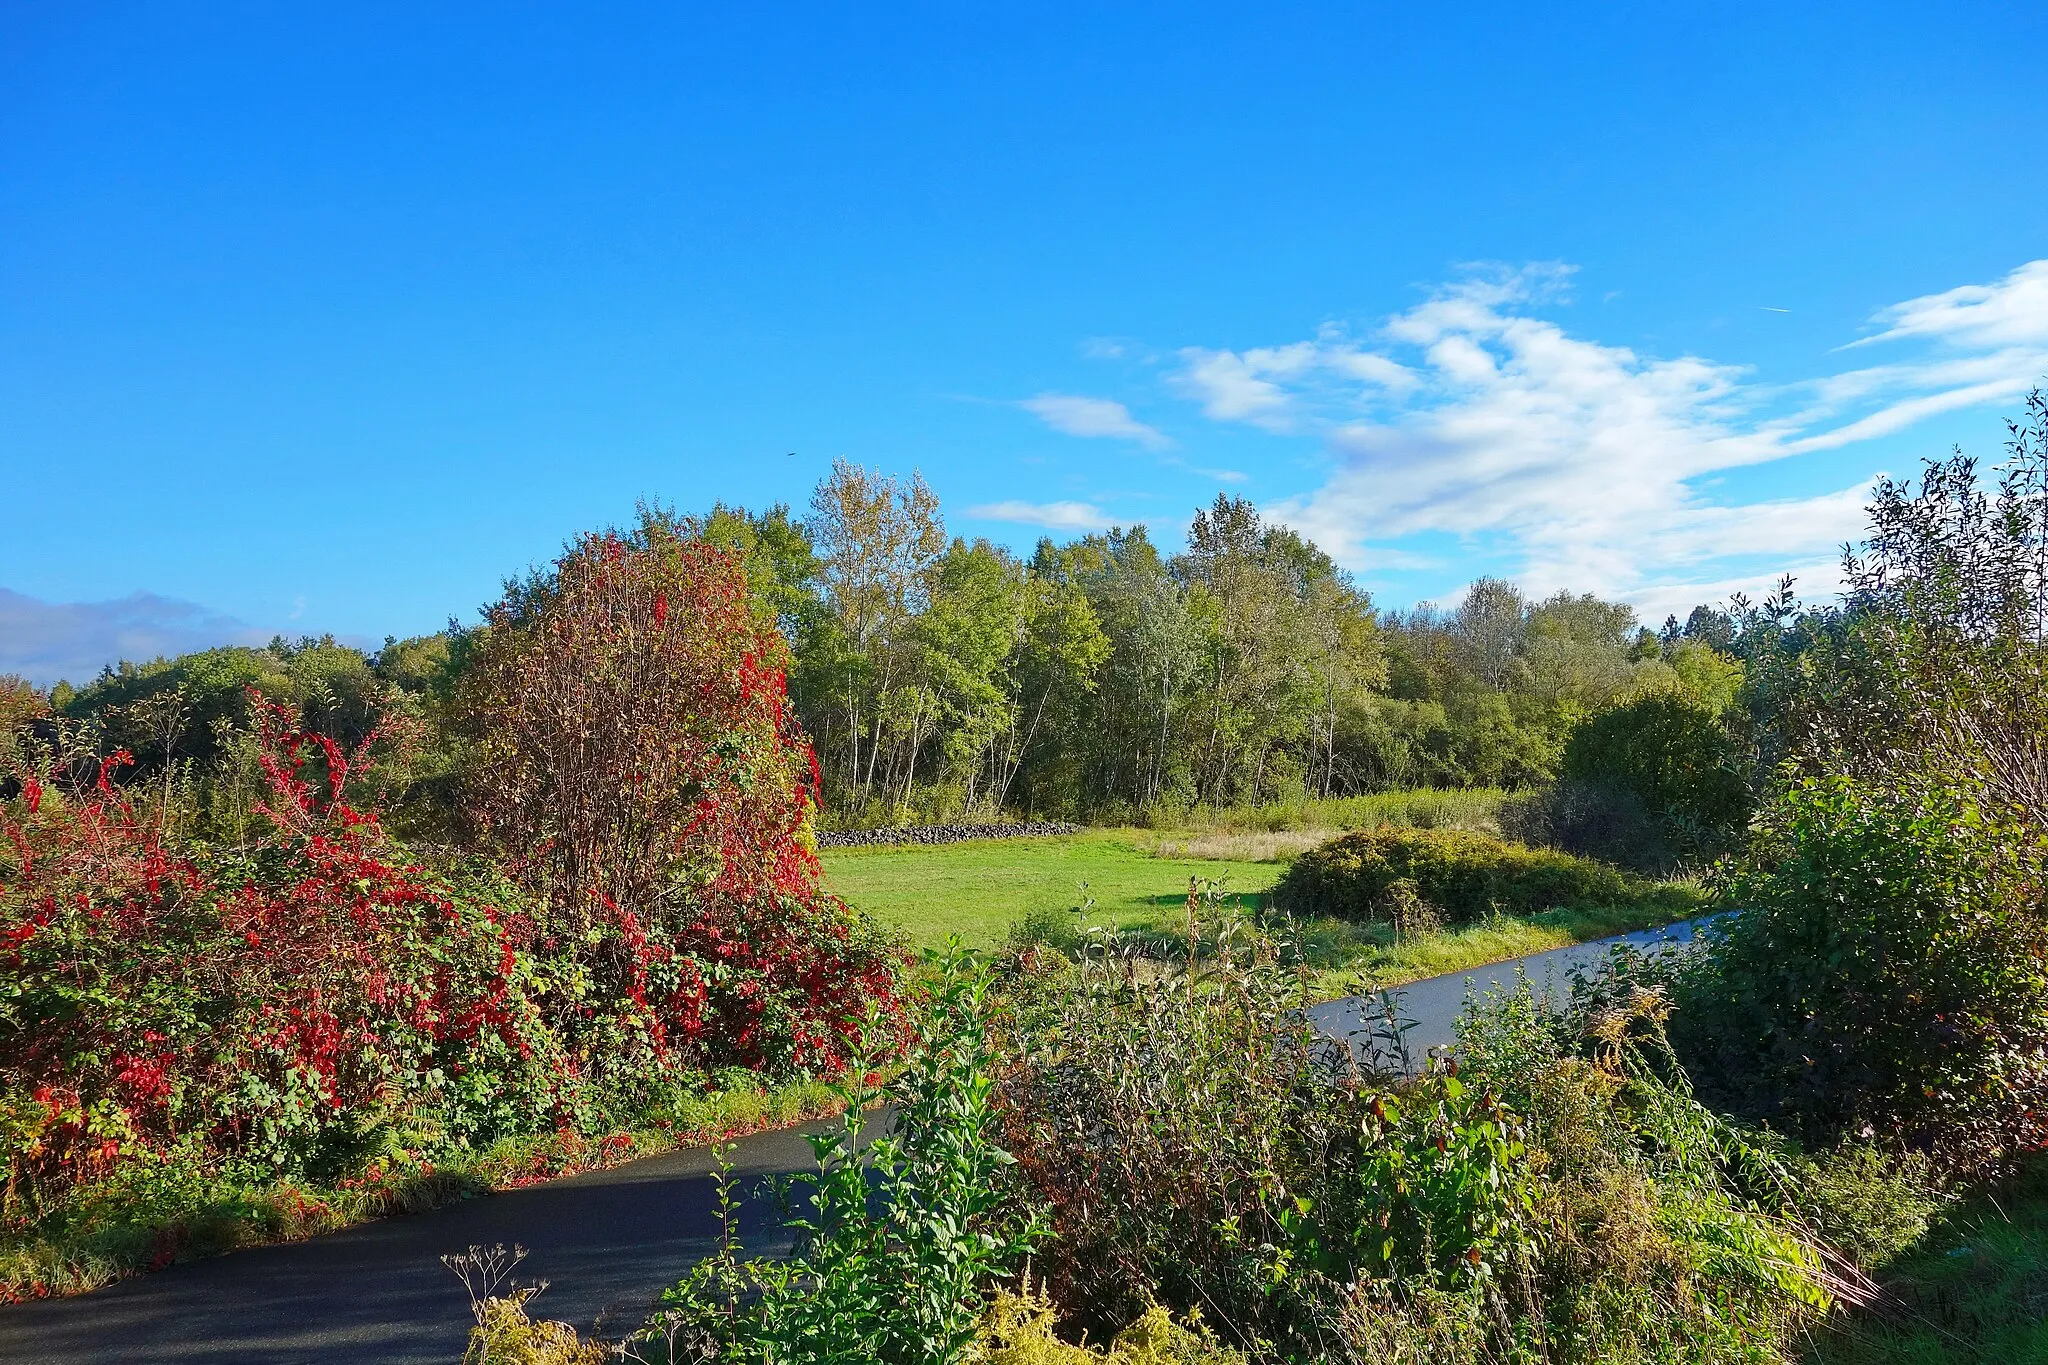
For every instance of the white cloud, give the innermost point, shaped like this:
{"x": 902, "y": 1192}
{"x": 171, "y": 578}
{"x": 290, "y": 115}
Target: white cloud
{"x": 49, "y": 641}
{"x": 1590, "y": 465}
{"x": 2011, "y": 312}
{"x": 1230, "y": 387}
{"x": 1220, "y": 475}
{"x": 1079, "y": 416}
{"x": 1054, "y": 516}
{"x": 1813, "y": 581}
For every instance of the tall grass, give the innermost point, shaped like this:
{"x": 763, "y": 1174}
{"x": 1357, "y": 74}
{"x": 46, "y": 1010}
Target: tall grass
{"x": 1474, "y": 808}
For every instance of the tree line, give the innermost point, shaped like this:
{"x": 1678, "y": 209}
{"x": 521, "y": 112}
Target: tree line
{"x": 1104, "y": 676}
{"x": 940, "y": 677}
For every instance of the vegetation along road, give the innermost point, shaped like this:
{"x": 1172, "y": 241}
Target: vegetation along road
{"x": 608, "y": 1242}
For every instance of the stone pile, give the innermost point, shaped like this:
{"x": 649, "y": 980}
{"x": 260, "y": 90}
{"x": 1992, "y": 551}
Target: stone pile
{"x": 942, "y": 834}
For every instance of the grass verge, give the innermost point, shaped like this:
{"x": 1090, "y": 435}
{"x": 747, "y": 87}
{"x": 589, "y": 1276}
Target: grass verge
{"x": 150, "y": 1220}
{"x": 1975, "y": 1289}
{"x": 1350, "y": 957}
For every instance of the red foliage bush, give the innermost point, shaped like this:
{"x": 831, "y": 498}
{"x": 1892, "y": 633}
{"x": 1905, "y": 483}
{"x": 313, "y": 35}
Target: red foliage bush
{"x": 641, "y": 771}
{"x": 297, "y": 1000}
{"x": 241, "y": 1002}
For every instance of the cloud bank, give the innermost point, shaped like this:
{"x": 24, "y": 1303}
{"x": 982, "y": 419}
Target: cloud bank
{"x": 50, "y": 641}
{"x": 1589, "y": 465}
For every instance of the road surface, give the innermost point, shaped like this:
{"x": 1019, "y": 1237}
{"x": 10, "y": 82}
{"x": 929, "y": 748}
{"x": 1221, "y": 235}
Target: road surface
{"x": 1432, "y": 1007}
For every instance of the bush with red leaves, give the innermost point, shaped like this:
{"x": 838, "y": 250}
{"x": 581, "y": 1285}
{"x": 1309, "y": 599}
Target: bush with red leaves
{"x": 640, "y": 771}
{"x": 264, "y": 1002}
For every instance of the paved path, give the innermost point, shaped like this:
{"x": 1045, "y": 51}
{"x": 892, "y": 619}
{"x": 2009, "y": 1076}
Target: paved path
{"x": 1434, "y": 1005}
{"x": 608, "y": 1242}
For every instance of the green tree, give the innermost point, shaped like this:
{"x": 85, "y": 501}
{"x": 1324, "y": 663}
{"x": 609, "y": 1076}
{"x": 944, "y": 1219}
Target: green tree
{"x": 1674, "y": 758}
{"x": 878, "y": 541}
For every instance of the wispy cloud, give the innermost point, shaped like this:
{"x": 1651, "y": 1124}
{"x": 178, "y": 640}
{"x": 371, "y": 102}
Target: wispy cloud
{"x": 1076, "y": 415}
{"x": 1053, "y": 516}
{"x": 1239, "y": 388}
{"x": 2010, "y": 312}
{"x": 49, "y": 641}
{"x": 1587, "y": 464}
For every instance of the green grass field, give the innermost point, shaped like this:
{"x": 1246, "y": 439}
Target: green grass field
{"x": 980, "y": 888}
{"x": 1138, "y": 880}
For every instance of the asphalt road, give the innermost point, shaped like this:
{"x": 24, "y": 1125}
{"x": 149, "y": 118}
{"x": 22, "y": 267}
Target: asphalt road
{"x": 608, "y": 1243}
{"x": 1431, "y": 1008}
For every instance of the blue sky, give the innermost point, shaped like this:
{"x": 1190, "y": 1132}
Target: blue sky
{"x": 331, "y": 321}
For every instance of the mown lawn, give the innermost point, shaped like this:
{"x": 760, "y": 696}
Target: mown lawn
{"x": 980, "y": 888}
{"x": 1138, "y": 879}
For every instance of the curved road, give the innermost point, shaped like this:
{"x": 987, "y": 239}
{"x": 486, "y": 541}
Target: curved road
{"x": 1432, "y": 1006}
{"x": 608, "y": 1242}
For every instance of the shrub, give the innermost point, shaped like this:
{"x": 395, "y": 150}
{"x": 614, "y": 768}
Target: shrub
{"x": 1018, "y": 1329}
{"x": 1592, "y": 820}
{"x": 191, "y": 1033}
{"x": 1196, "y": 1146}
{"x": 635, "y": 735}
{"x": 1467, "y": 876}
{"x": 1868, "y": 1202}
{"x": 266, "y": 1002}
{"x": 1563, "y": 1199}
{"x": 1673, "y": 757}
{"x": 904, "y": 1236}
{"x": 640, "y": 772}
{"x": 1668, "y": 1233}
{"x": 1883, "y": 971}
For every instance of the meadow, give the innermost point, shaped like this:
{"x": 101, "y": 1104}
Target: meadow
{"x": 1138, "y": 880}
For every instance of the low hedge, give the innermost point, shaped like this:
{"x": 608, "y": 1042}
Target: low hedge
{"x": 1466, "y": 876}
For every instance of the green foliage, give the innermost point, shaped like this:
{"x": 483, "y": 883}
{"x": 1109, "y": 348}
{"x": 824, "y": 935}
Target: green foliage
{"x": 1198, "y": 1146}
{"x": 1967, "y": 1292}
{"x": 1883, "y": 971}
{"x": 1936, "y": 663}
{"x": 1464, "y": 874}
{"x": 1669, "y": 753}
{"x": 1559, "y": 1196}
{"x": 1672, "y": 758}
{"x": 1667, "y": 1233}
{"x": 1706, "y": 675}
{"x": 903, "y": 1237}
{"x": 1868, "y": 1202}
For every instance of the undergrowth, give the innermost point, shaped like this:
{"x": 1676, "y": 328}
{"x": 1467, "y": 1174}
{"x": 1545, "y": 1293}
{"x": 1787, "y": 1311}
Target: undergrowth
{"x": 1974, "y": 1289}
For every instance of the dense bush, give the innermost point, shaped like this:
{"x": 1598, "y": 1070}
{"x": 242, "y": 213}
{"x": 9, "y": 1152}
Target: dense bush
{"x": 641, "y": 774}
{"x": 293, "y": 995}
{"x": 1884, "y": 970}
{"x": 272, "y": 1002}
{"x": 1671, "y": 754}
{"x": 1592, "y": 820}
{"x": 1195, "y": 1147}
{"x": 1465, "y": 875}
